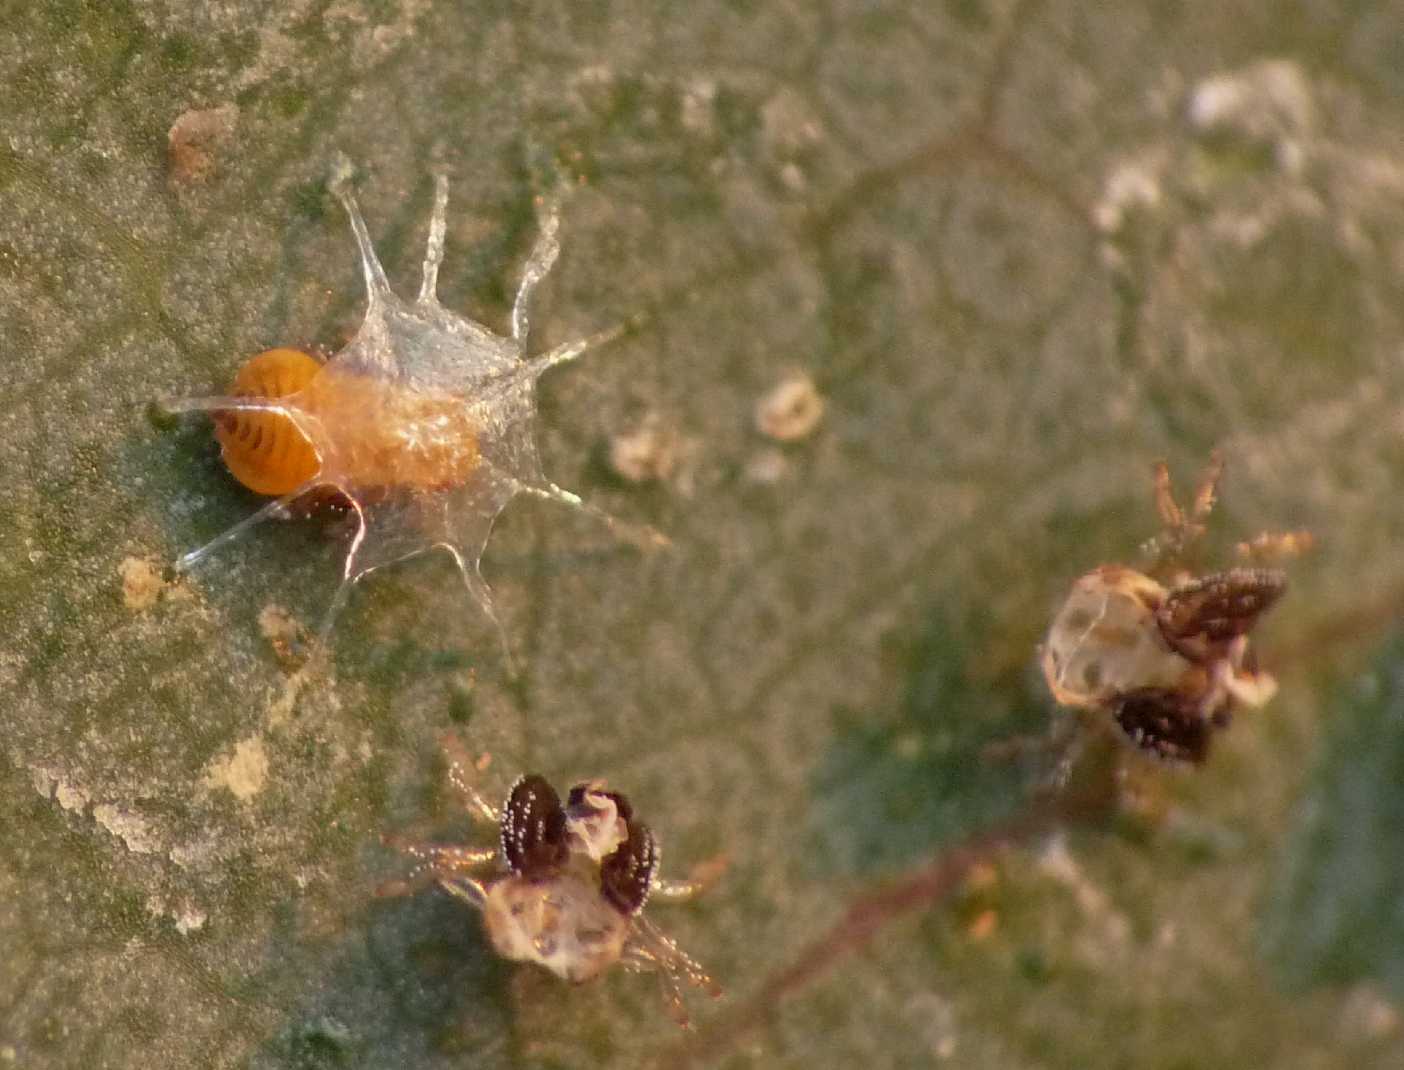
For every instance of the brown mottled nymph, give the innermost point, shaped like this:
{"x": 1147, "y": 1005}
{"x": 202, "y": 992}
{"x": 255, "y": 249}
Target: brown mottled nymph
{"x": 1166, "y": 658}
{"x": 566, "y": 886}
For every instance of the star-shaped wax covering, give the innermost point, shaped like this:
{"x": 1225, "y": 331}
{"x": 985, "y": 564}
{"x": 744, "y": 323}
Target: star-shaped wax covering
{"x": 423, "y": 423}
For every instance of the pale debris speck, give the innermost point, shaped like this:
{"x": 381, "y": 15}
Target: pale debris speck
{"x": 189, "y": 919}
{"x": 789, "y": 124}
{"x": 789, "y": 132}
{"x": 277, "y": 624}
{"x": 1266, "y": 103}
{"x": 698, "y": 111}
{"x": 932, "y": 1017}
{"x": 43, "y": 781}
{"x": 651, "y": 453}
{"x": 142, "y": 584}
{"x": 767, "y": 466}
{"x": 792, "y": 178}
{"x": 71, "y": 798}
{"x": 791, "y": 410}
{"x": 1367, "y": 1015}
{"x": 283, "y": 632}
{"x": 1132, "y": 184}
{"x": 243, "y": 773}
{"x": 132, "y": 829}
{"x": 194, "y": 140}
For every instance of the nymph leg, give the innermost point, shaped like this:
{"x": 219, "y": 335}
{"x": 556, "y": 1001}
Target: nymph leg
{"x": 458, "y": 776}
{"x": 471, "y": 891}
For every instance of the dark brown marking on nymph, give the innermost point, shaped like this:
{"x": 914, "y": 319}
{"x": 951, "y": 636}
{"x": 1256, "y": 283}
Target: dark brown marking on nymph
{"x": 626, "y": 875}
{"x": 1199, "y": 619}
{"x": 1165, "y": 722}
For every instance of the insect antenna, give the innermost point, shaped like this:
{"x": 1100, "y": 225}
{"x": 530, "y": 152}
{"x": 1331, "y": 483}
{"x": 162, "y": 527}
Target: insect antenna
{"x": 1208, "y": 493}
{"x": 1180, "y": 529}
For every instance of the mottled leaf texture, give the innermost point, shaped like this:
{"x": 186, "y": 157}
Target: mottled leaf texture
{"x": 1021, "y": 249}
{"x": 1335, "y": 912}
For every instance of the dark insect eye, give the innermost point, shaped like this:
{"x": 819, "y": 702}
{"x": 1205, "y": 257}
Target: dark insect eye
{"x": 1200, "y": 618}
{"x": 627, "y": 875}
{"x": 533, "y": 829}
{"x": 1165, "y": 723}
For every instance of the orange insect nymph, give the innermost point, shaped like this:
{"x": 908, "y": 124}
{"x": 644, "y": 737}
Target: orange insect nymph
{"x": 423, "y": 423}
{"x": 391, "y": 437}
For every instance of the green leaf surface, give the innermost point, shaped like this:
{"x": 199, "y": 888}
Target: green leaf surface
{"x": 1337, "y": 911}
{"x": 1023, "y": 249}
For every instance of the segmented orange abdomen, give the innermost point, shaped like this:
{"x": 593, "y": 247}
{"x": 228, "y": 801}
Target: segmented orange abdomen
{"x": 264, "y": 450}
